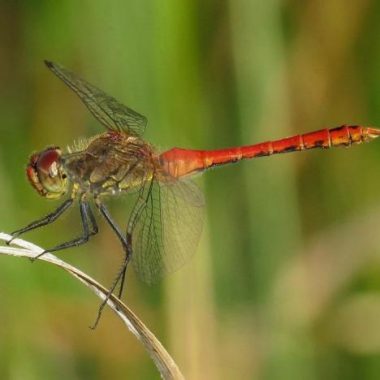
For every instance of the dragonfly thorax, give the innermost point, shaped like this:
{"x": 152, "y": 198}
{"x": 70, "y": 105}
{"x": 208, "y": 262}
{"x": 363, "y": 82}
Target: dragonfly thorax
{"x": 109, "y": 164}
{"x": 46, "y": 174}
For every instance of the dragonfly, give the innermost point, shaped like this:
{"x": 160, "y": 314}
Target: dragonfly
{"x": 165, "y": 222}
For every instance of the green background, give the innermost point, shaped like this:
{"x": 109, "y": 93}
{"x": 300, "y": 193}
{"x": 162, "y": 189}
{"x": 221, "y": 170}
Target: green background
{"x": 285, "y": 283}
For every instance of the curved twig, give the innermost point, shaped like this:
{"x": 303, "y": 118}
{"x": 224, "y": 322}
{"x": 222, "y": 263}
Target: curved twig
{"x": 161, "y": 358}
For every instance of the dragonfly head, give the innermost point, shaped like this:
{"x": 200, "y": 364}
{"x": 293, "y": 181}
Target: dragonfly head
{"x": 46, "y": 174}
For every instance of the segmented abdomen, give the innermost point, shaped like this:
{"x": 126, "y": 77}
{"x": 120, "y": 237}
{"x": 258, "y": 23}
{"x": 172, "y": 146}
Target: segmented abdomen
{"x": 181, "y": 162}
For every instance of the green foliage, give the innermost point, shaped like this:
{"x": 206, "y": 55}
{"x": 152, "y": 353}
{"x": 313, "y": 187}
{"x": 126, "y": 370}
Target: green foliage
{"x": 286, "y": 236}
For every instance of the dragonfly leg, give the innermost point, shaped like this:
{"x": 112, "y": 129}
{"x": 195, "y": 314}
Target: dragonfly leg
{"x": 94, "y": 226}
{"x": 136, "y": 212}
{"x": 127, "y": 246}
{"x": 50, "y": 218}
{"x": 125, "y": 242}
{"x": 89, "y": 225}
{"x": 120, "y": 277}
{"x": 124, "y": 271}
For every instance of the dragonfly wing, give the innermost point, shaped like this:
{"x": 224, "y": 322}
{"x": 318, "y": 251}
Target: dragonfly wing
{"x": 112, "y": 114}
{"x": 166, "y": 227}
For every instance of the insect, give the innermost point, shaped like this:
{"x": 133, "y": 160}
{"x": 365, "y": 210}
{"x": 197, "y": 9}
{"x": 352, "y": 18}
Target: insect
{"x": 165, "y": 223}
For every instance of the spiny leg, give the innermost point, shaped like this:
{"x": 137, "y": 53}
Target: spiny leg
{"x": 50, "y": 218}
{"x": 134, "y": 217}
{"x": 94, "y": 226}
{"x": 126, "y": 243}
{"x": 120, "y": 275}
{"x": 123, "y": 273}
{"x": 87, "y": 218}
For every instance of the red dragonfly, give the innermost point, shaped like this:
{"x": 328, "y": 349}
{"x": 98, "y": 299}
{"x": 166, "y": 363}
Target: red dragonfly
{"x": 165, "y": 223}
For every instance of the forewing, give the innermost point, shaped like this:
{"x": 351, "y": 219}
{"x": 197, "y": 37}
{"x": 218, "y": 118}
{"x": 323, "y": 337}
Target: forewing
{"x": 112, "y": 114}
{"x": 167, "y": 227}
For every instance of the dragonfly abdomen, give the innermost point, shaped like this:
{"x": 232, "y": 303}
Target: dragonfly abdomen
{"x": 345, "y": 135}
{"x": 325, "y": 138}
{"x": 181, "y": 162}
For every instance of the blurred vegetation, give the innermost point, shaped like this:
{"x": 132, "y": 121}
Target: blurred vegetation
{"x": 285, "y": 283}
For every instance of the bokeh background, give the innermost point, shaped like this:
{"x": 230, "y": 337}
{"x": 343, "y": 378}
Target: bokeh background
{"x": 285, "y": 283}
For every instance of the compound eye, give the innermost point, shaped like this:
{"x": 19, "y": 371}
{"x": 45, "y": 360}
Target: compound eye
{"x": 53, "y": 170}
{"x": 47, "y": 162}
{"x": 46, "y": 174}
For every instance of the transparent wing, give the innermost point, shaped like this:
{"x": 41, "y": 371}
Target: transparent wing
{"x": 166, "y": 227}
{"x": 112, "y": 114}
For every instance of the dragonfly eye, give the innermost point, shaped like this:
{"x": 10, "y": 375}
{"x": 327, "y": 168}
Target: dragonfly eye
{"x": 46, "y": 174}
{"x": 53, "y": 170}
